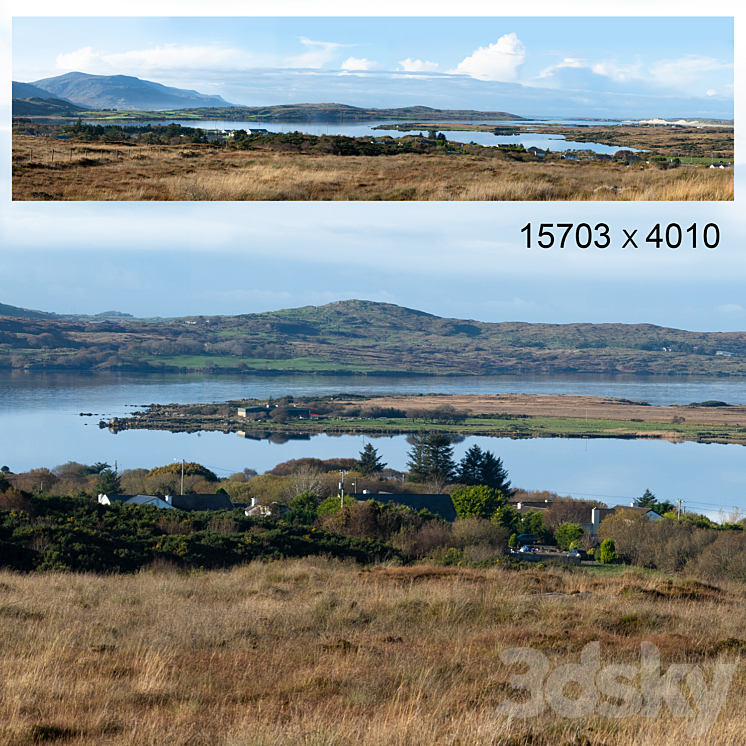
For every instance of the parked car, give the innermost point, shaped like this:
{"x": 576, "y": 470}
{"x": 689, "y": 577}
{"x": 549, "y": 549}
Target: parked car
{"x": 526, "y": 539}
{"x": 581, "y": 554}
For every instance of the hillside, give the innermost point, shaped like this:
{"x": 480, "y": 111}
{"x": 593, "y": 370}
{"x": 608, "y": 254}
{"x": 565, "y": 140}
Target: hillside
{"x": 123, "y": 92}
{"x": 322, "y": 113}
{"x": 6, "y": 310}
{"x": 44, "y": 107}
{"x": 364, "y": 337}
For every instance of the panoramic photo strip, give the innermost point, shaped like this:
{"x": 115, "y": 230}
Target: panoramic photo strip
{"x": 235, "y": 109}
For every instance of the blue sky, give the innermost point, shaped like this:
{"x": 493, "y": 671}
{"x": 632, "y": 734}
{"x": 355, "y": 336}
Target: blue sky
{"x": 634, "y": 67}
{"x": 455, "y": 259}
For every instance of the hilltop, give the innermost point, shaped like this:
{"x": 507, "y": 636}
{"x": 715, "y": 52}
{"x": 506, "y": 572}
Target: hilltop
{"x": 123, "y": 92}
{"x": 363, "y": 337}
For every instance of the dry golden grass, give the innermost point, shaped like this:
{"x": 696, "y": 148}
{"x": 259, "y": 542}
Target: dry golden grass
{"x": 120, "y": 172}
{"x": 567, "y": 405}
{"x": 316, "y": 652}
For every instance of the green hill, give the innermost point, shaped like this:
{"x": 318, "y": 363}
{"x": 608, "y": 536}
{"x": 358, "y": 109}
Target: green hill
{"x": 363, "y": 337}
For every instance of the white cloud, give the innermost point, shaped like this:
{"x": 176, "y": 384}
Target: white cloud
{"x": 711, "y": 92}
{"x": 497, "y": 62}
{"x": 175, "y": 58}
{"x": 319, "y": 53}
{"x": 167, "y": 57}
{"x": 684, "y": 71}
{"x": 353, "y": 63}
{"x": 618, "y": 73}
{"x": 567, "y": 62}
{"x": 418, "y": 66}
{"x": 731, "y": 308}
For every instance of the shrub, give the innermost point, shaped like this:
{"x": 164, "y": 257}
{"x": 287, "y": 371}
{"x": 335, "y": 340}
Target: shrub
{"x": 566, "y": 534}
{"x": 607, "y": 551}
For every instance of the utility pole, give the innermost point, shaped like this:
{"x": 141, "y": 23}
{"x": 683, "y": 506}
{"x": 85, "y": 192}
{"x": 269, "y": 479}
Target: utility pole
{"x": 678, "y": 509}
{"x": 182, "y": 475}
{"x": 342, "y": 476}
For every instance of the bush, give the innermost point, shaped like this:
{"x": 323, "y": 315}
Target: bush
{"x": 566, "y": 534}
{"x": 607, "y": 551}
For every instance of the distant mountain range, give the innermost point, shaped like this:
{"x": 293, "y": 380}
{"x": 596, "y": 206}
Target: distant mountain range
{"x": 360, "y": 337}
{"x": 26, "y": 313}
{"x": 116, "y": 92}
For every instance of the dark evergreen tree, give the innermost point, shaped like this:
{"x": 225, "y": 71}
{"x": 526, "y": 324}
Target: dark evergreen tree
{"x": 494, "y": 474}
{"x": 470, "y": 466}
{"x": 418, "y": 466}
{"x": 482, "y": 467}
{"x": 108, "y": 483}
{"x": 370, "y": 462}
{"x": 649, "y": 501}
{"x": 440, "y": 456}
{"x": 431, "y": 457}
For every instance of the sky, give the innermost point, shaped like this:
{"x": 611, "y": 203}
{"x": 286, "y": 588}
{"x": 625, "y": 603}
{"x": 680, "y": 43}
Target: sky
{"x": 598, "y": 67}
{"x": 463, "y": 260}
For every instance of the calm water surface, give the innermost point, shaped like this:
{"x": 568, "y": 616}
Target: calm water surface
{"x": 366, "y": 129}
{"x": 40, "y": 425}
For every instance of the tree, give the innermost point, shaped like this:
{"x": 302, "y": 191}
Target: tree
{"x": 303, "y": 509}
{"x": 431, "y": 457}
{"x": 649, "y": 501}
{"x": 481, "y": 467}
{"x": 567, "y": 510}
{"x": 440, "y": 456}
{"x": 108, "y": 483}
{"x": 478, "y": 502}
{"x": 607, "y": 553}
{"x": 370, "y": 462}
{"x": 513, "y": 541}
{"x": 566, "y": 534}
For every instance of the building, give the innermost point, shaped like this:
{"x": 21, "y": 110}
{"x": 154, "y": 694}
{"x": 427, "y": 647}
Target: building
{"x": 538, "y": 152}
{"x": 441, "y": 505}
{"x": 178, "y": 502}
{"x": 162, "y": 503}
{"x": 265, "y": 511}
{"x": 598, "y": 515}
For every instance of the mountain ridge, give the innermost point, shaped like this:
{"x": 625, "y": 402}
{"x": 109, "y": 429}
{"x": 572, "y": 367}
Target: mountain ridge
{"x": 364, "y": 337}
{"x": 123, "y": 92}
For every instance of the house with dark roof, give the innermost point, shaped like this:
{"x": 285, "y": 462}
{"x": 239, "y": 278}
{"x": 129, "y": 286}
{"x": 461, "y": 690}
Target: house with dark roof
{"x": 538, "y": 152}
{"x": 162, "y": 503}
{"x": 598, "y": 514}
{"x": 202, "y": 502}
{"x": 441, "y": 505}
{"x": 180, "y": 502}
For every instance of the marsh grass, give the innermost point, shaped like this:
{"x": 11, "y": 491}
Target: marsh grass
{"x": 320, "y": 652}
{"x": 117, "y": 172}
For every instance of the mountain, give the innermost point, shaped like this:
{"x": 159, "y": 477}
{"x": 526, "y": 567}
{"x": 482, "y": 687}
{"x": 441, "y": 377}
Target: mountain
{"x": 364, "y": 337}
{"x": 27, "y": 90}
{"x": 6, "y": 310}
{"x": 44, "y": 107}
{"x": 123, "y": 92}
{"x": 346, "y": 113}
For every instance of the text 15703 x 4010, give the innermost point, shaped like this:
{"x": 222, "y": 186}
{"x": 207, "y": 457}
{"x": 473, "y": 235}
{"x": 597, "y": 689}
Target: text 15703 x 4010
{"x": 583, "y": 236}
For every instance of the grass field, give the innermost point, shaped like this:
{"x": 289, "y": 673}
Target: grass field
{"x": 97, "y": 171}
{"x": 318, "y": 653}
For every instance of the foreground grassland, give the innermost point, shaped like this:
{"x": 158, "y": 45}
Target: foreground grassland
{"x": 319, "y": 653}
{"x": 504, "y": 415}
{"x": 99, "y": 171}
